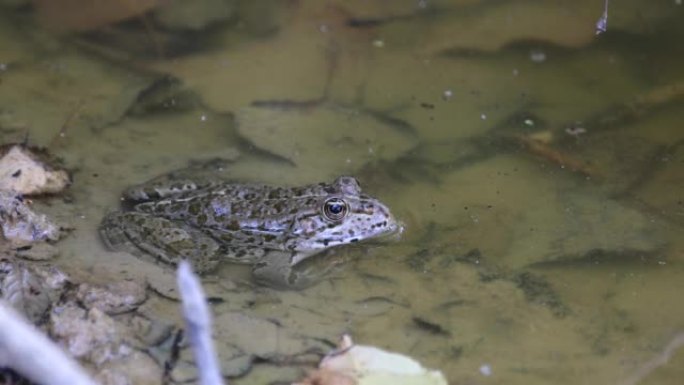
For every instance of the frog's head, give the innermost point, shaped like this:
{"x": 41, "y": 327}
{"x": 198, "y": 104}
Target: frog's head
{"x": 343, "y": 215}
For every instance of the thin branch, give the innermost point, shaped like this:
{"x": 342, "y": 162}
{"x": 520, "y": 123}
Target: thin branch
{"x": 659, "y": 360}
{"x": 602, "y": 23}
{"x": 31, "y": 354}
{"x": 198, "y": 325}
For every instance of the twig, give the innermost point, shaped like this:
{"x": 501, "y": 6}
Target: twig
{"x": 198, "y": 325}
{"x": 625, "y": 113}
{"x": 31, "y": 354}
{"x": 67, "y": 123}
{"x": 602, "y": 23}
{"x": 661, "y": 359}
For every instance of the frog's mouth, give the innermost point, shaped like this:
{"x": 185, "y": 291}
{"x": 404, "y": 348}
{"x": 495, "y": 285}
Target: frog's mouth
{"x": 396, "y": 234}
{"x": 393, "y": 234}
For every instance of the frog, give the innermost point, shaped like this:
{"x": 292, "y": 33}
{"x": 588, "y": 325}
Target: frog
{"x": 273, "y": 228}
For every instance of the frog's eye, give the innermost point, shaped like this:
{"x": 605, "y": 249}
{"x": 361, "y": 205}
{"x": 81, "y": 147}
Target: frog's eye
{"x": 335, "y": 209}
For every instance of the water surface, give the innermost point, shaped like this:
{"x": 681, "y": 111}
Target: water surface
{"x": 538, "y": 168}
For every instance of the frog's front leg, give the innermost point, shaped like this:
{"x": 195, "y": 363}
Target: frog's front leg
{"x": 277, "y": 271}
{"x": 167, "y": 241}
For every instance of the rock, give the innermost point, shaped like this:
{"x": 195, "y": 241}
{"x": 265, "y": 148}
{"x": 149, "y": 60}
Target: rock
{"x": 564, "y": 222}
{"x": 15, "y": 3}
{"x": 30, "y": 289}
{"x": 329, "y": 138}
{"x": 367, "y": 365}
{"x": 162, "y": 281}
{"x": 194, "y": 15}
{"x": 587, "y": 224}
{"x": 20, "y": 225}
{"x": 37, "y": 252}
{"x": 112, "y": 377}
{"x": 491, "y": 26}
{"x": 263, "y": 338}
{"x": 136, "y": 368}
{"x": 234, "y": 363}
{"x": 69, "y": 92}
{"x": 663, "y": 191}
{"x": 150, "y": 330}
{"x": 79, "y": 15}
{"x": 89, "y": 335}
{"x": 112, "y": 298}
{"x": 26, "y": 171}
{"x": 239, "y": 67}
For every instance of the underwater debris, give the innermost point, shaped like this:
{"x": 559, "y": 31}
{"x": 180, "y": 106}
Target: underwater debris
{"x": 27, "y": 171}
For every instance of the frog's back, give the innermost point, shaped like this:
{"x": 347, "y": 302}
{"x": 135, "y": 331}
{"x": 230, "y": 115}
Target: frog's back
{"x": 305, "y": 219}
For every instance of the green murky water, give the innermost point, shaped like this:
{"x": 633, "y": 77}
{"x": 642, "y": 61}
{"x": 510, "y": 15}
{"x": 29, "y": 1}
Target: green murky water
{"x": 539, "y": 168}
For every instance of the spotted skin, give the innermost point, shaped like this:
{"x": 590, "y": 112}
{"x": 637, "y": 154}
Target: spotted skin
{"x": 246, "y": 223}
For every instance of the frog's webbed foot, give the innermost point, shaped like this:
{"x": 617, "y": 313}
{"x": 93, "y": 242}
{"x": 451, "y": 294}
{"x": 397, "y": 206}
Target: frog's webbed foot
{"x": 167, "y": 241}
{"x": 276, "y": 271}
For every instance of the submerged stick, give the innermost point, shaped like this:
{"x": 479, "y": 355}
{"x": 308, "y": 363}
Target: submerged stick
{"x": 602, "y": 23}
{"x": 198, "y": 325}
{"x": 659, "y": 360}
{"x": 30, "y": 353}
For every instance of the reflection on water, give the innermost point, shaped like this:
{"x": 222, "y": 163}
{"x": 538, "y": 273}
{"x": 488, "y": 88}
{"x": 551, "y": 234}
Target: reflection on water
{"x": 538, "y": 168}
